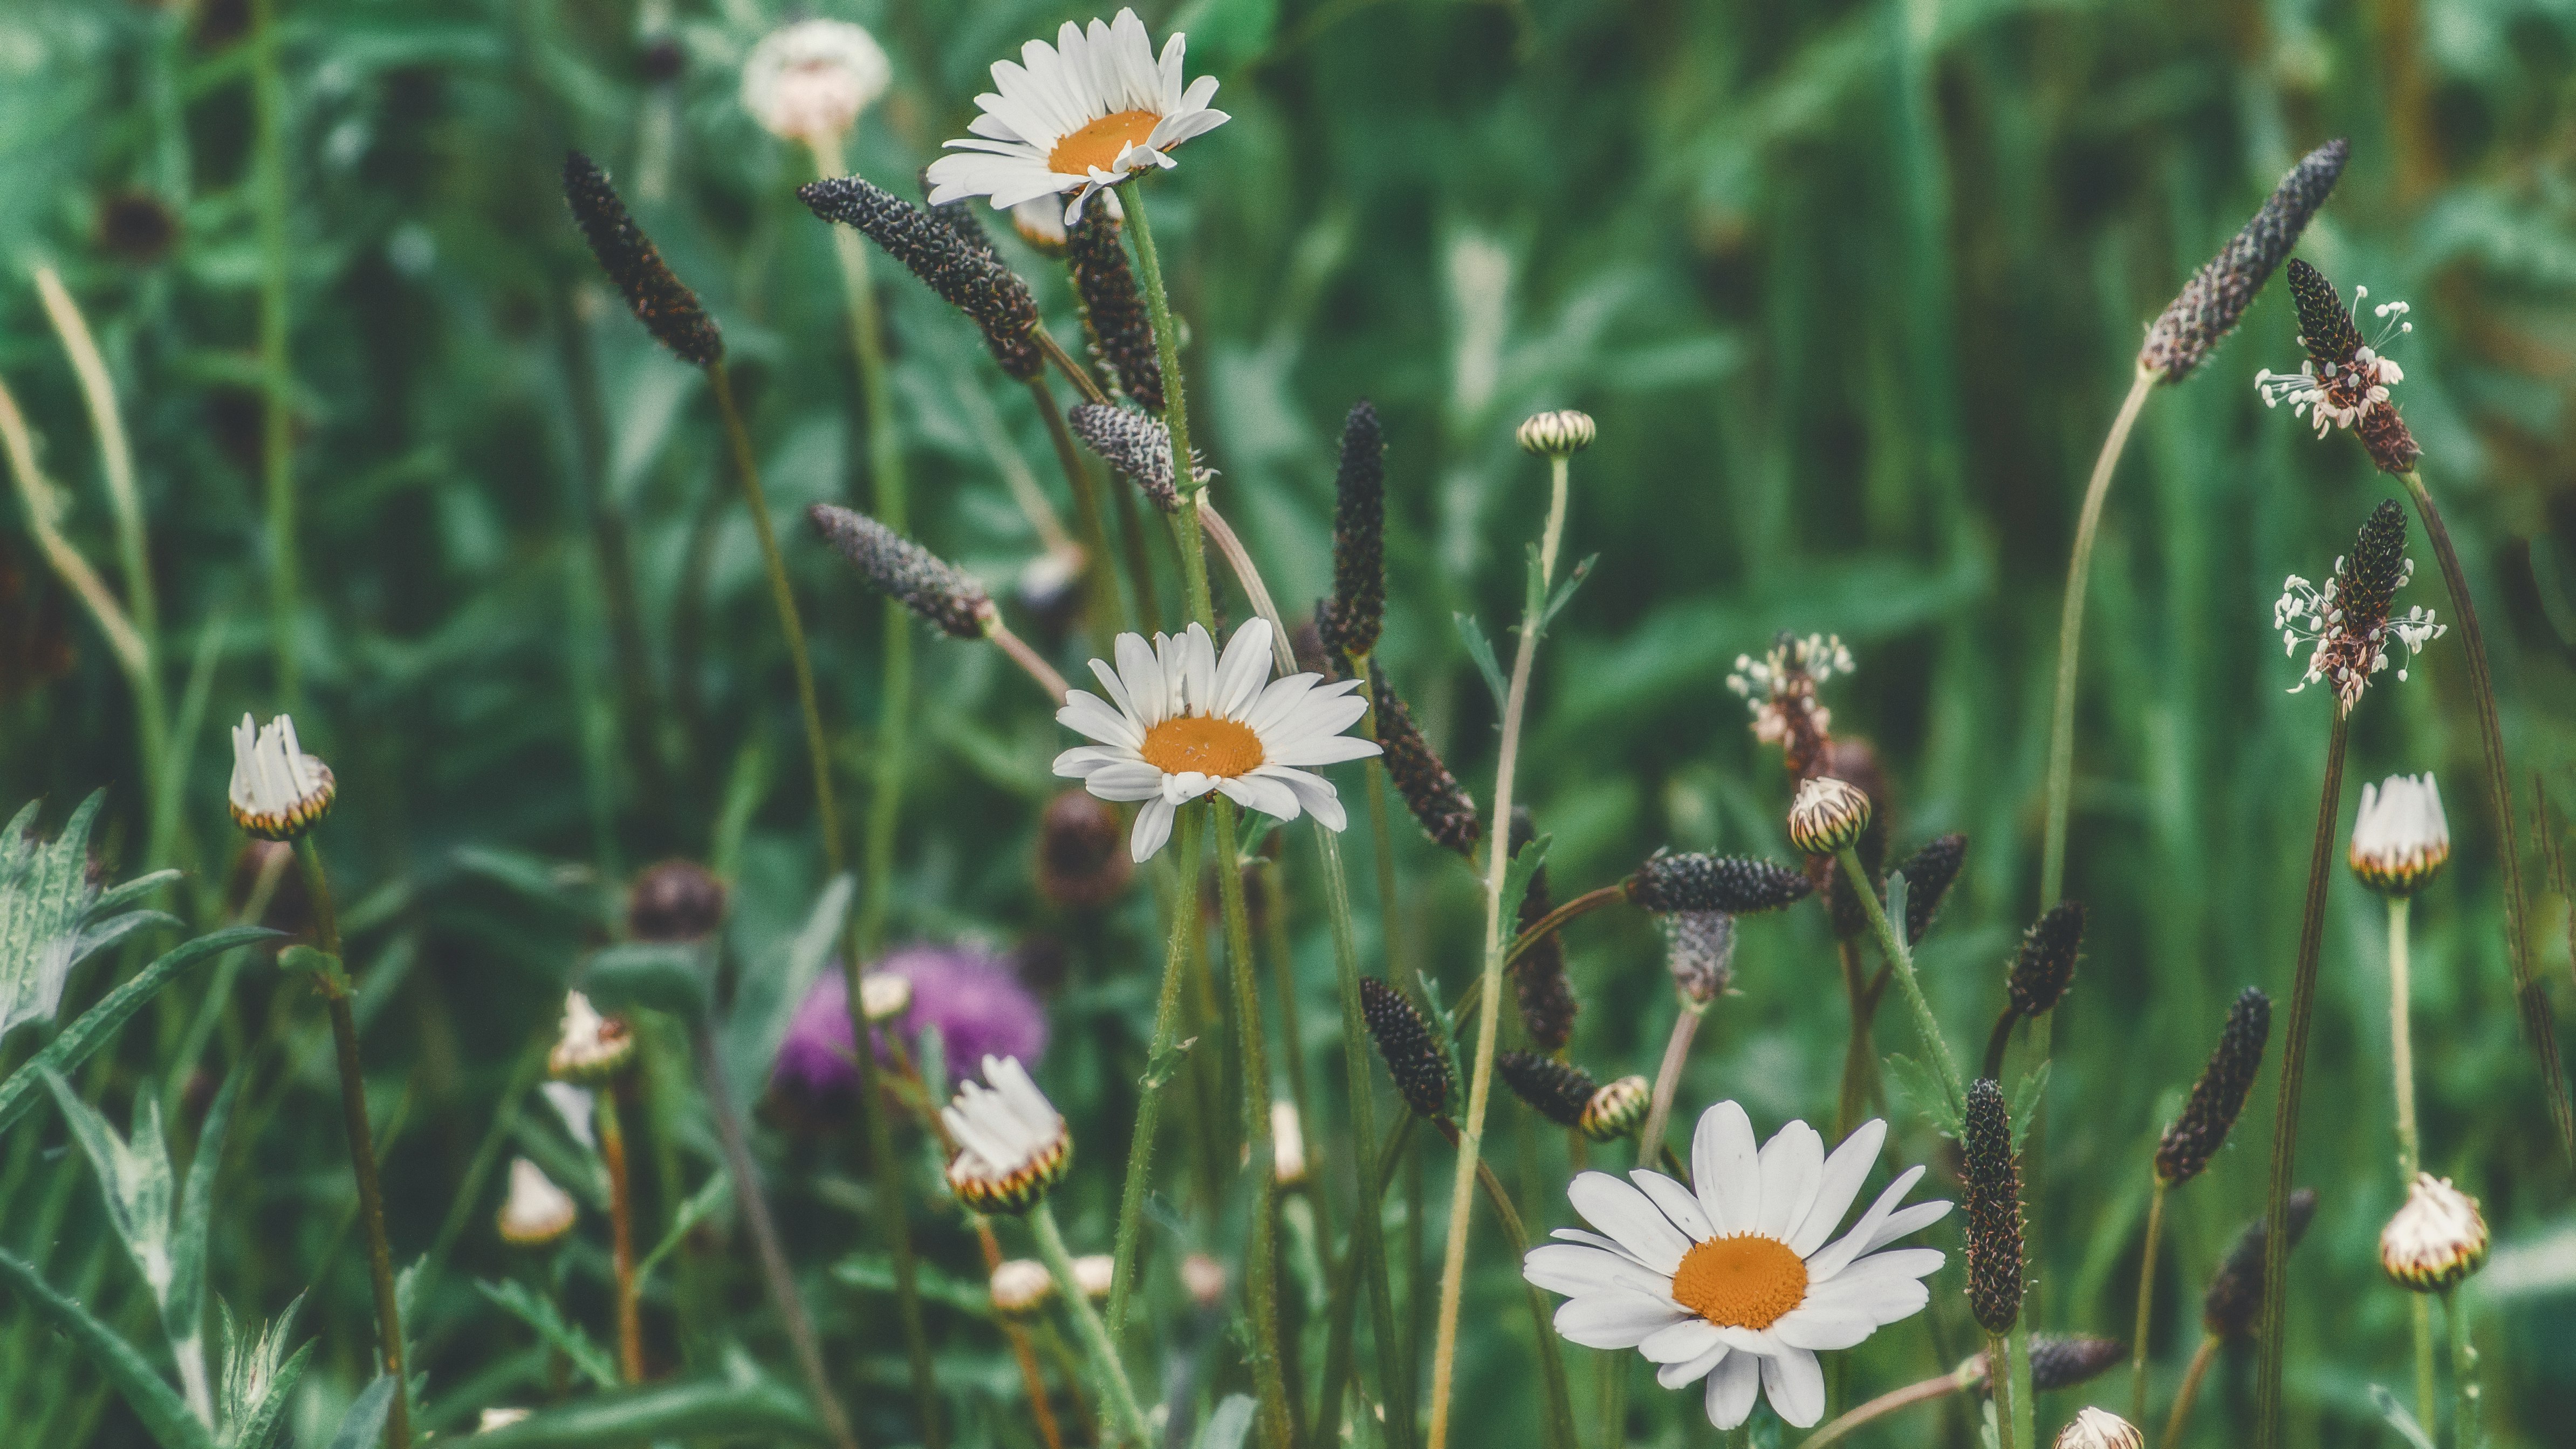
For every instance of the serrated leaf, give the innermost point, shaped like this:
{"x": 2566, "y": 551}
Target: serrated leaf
{"x": 538, "y": 1313}
{"x": 94, "y": 1026}
{"x": 51, "y": 917}
{"x": 1481, "y": 650}
{"x": 1166, "y": 1064}
{"x": 2398, "y": 1418}
{"x": 1893, "y": 906}
{"x": 364, "y": 1424}
{"x": 133, "y": 1179}
{"x": 758, "y": 1411}
{"x": 257, "y": 1388}
{"x": 163, "y": 1414}
{"x": 1517, "y": 875}
{"x": 1226, "y": 1428}
{"x": 1919, "y": 1085}
{"x": 2025, "y": 1102}
{"x": 1565, "y": 588}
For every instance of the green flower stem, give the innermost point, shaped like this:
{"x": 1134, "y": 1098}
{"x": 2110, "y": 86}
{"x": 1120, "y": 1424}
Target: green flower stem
{"x": 1560, "y": 1404}
{"x": 1902, "y": 960}
{"x": 2285, "y": 1122}
{"x": 1339, "y": 1310}
{"x": 1381, "y": 831}
{"x": 1292, "y": 1039}
{"x": 1181, "y": 860}
{"x": 362, "y": 1147}
{"x": 1125, "y": 1419}
{"x": 2146, "y": 1303}
{"x": 881, "y": 1166}
{"x": 2464, "y": 1374}
{"x": 2401, "y": 1068}
{"x": 2009, "y": 1405}
{"x": 1453, "y": 1266}
{"x": 2536, "y": 1022}
{"x": 2189, "y": 1393}
{"x": 1261, "y": 1272}
{"x": 2070, "y": 640}
{"x": 268, "y": 172}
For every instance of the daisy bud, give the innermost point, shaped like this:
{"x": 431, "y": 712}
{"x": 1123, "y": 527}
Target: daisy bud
{"x": 1095, "y": 1274}
{"x": 2400, "y": 839}
{"x": 1404, "y": 1042}
{"x": 1287, "y": 1145}
{"x": 1082, "y": 851}
{"x": 2058, "y": 1363}
{"x": 809, "y": 81}
{"x": 278, "y": 792}
{"x": 901, "y": 569}
{"x": 1113, "y": 310}
{"x": 1700, "y": 952}
{"x": 2436, "y": 1239}
{"x": 1021, "y": 1286}
{"x": 1929, "y": 873}
{"x": 591, "y": 1049}
{"x": 2234, "y": 1301}
{"x": 1737, "y": 885}
{"x": 1560, "y": 1092}
{"x": 1434, "y": 795}
{"x": 1134, "y": 444}
{"x": 677, "y": 900}
{"x": 1012, "y": 1144}
{"x": 1615, "y": 1110}
{"x": 1994, "y": 1209}
{"x": 2217, "y": 294}
{"x": 666, "y": 307}
{"x": 966, "y": 276}
{"x": 2098, "y": 1429}
{"x": 1203, "y": 1278}
{"x": 1560, "y": 434}
{"x": 2046, "y": 965}
{"x": 1828, "y": 816}
{"x": 2210, "y": 1111}
{"x": 884, "y": 995}
{"x": 536, "y": 1212}
{"x": 1359, "y": 534}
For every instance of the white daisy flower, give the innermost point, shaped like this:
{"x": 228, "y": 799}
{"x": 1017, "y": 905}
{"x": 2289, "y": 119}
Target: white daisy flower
{"x": 1080, "y": 115}
{"x": 810, "y": 80}
{"x": 277, "y": 791}
{"x": 2400, "y": 838}
{"x": 1735, "y": 1283}
{"x": 1180, "y": 722}
{"x": 1012, "y": 1144}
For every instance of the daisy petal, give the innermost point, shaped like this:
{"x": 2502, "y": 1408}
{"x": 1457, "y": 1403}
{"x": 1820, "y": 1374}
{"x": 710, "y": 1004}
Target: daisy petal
{"x": 1243, "y": 670}
{"x": 1153, "y": 827}
{"x": 1689, "y": 1371}
{"x": 1681, "y": 1342}
{"x": 1731, "y": 1387}
{"x": 1795, "y": 1384}
{"x": 1258, "y": 792}
{"x": 1724, "y": 1168}
{"x": 1792, "y": 1163}
{"x": 1810, "y": 1327}
{"x": 1629, "y": 1216}
{"x": 1822, "y": 1267}
{"x": 1574, "y": 1271}
{"x": 1840, "y": 1182}
{"x": 1905, "y": 1220}
{"x": 1676, "y": 1202}
{"x": 1614, "y": 1319}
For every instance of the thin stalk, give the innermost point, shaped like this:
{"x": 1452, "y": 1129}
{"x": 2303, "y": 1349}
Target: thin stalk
{"x": 268, "y": 174}
{"x": 1560, "y": 1404}
{"x": 2464, "y": 1372}
{"x": 1668, "y": 1080}
{"x": 2272, "y": 1326}
{"x": 2008, "y": 1408}
{"x": 1998, "y": 1040}
{"x": 1453, "y": 1266}
{"x": 362, "y": 1147}
{"x": 1340, "y": 1308}
{"x": 1022, "y": 1349}
{"x": 1123, "y": 1413}
{"x": 1902, "y": 961}
{"x": 1292, "y": 1034}
{"x": 621, "y": 1224}
{"x": 1856, "y": 1052}
{"x": 754, "y": 1201}
{"x": 2070, "y": 641}
{"x": 37, "y": 493}
{"x": 1030, "y": 661}
{"x": 2401, "y": 1068}
{"x": 1182, "y": 857}
{"x": 1140, "y": 563}
{"x": 2536, "y": 1021}
{"x": 1074, "y": 372}
{"x": 1937, "y": 1387}
{"x": 1381, "y": 832}
{"x": 1091, "y": 514}
{"x": 2189, "y": 1393}
{"x": 1167, "y": 338}
{"x": 1261, "y": 1271}
{"x": 1547, "y": 925}
{"x": 2146, "y": 1303}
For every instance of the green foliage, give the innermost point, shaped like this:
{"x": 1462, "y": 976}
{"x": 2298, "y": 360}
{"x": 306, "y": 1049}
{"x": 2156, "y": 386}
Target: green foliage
{"x": 53, "y": 916}
{"x": 163, "y": 1413}
{"x": 259, "y": 1381}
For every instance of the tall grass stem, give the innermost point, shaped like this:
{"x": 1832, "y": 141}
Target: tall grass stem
{"x": 2146, "y": 1303}
{"x": 1182, "y": 898}
{"x": 268, "y": 193}
{"x": 621, "y": 1221}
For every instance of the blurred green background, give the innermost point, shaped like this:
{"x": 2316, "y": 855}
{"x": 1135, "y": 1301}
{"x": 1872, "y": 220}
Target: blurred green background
{"x": 1852, "y": 289}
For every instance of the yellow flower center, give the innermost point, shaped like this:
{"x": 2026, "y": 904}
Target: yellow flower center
{"x": 1202, "y": 745}
{"x": 1742, "y": 1281}
{"x": 1099, "y": 143}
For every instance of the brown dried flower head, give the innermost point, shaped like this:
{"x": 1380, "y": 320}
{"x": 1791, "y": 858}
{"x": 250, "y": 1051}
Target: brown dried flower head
{"x": 1113, "y": 310}
{"x": 1434, "y": 795}
{"x": 2216, "y": 1099}
{"x": 903, "y": 570}
{"x": 666, "y": 307}
{"x": 2219, "y": 292}
{"x": 2234, "y": 1301}
{"x": 2045, "y": 966}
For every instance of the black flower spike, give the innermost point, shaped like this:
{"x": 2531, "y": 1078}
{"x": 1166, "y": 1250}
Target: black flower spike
{"x": 2220, "y": 1094}
{"x": 1359, "y": 533}
{"x": 2046, "y": 965}
{"x": 2369, "y": 580}
{"x": 1929, "y": 874}
{"x": 1994, "y": 1210}
{"x": 960, "y": 218}
{"x": 1737, "y": 885}
{"x": 1405, "y": 1043}
{"x": 1134, "y": 444}
{"x": 967, "y": 274}
{"x": 2325, "y": 323}
{"x": 1546, "y": 1000}
{"x": 1122, "y": 330}
{"x": 2217, "y": 294}
{"x": 2235, "y": 1297}
{"x": 902, "y": 569}
{"x": 1434, "y": 795}
{"x": 2061, "y": 1363}
{"x": 661, "y": 301}
{"x": 1553, "y": 1089}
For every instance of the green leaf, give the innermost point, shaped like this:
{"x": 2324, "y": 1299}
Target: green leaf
{"x": 51, "y": 917}
{"x": 1226, "y": 1428}
{"x": 133, "y": 1179}
{"x": 758, "y": 1411}
{"x": 1918, "y": 1085}
{"x": 2025, "y": 1102}
{"x": 655, "y": 975}
{"x": 96, "y": 1025}
{"x": 301, "y": 958}
{"x": 539, "y": 1314}
{"x": 163, "y": 1413}
{"x": 1166, "y": 1064}
{"x": 2398, "y": 1419}
{"x": 1894, "y": 895}
{"x": 184, "y": 1309}
{"x": 717, "y": 1192}
{"x": 1481, "y": 649}
{"x": 874, "y": 1273}
{"x": 257, "y": 1388}
{"x": 1525, "y": 864}
{"x": 364, "y": 1424}
{"x": 1565, "y": 588}
{"x": 765, "y": 1000}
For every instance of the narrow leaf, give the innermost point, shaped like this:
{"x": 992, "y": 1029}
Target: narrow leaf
{"x": 2398, "y": 1419}
{"x": 133, "y": 1179}
{"x": 1226, "y": 1428}
{"x": 760, "y": 1412}
{"x": 1481, "y": 649}
{"x": 86, "y": 1035}
{"x": 364, "y": 1424}
{"x": 717, "y": 1192}
{"x": 1565, "y": 588}
{"x": 2025, "y": 1102}
{"x": 539, "y": 1314}
{"x": 1516, "y": 880}
{"x": 1916, "y": 1083}
{"x": 163, "y": 1413}
{"x": 648, "y": 974}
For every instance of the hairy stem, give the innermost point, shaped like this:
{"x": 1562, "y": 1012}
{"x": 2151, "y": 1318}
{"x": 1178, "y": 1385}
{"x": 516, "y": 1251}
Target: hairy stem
{"x": 1125, "y": 1417}
{"x": 1182, "y": 861}
{"x": 1261, "y": 1270}
{"x": 1560, "y": 1404}
{"x": 2401, "y": 1070}
{"x": 1548, "y": 925}
{"x": 1901, "y": 961}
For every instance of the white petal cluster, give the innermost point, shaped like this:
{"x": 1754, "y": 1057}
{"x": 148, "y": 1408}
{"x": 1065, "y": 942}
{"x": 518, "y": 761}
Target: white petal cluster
{"x": 810, "y": 81}
{"x": 1011, "y": 1141}
{"x": 278, "y": 791}
{"x": 2400, "y": 836}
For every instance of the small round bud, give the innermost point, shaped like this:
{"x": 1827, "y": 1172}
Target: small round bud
{"x": 1828, "y": 816}
{"x": 1020, "y": 1287}
{"x": 278, "y": 791}
{"x": 1203, "y": 1278}
{"x": 1616, "y": 1110}
{"x": 2436, "y": 1239}
{"x": 536, "y": 1212}
{"x": 809, "y": 81}
{"x": 591, "y": 1048}
{"x": 2400, "y": 839}
{"x": 1094, "y": 1274}
{"x": 676, "y": 900}
{"x": 884, "y": 995}
{"x": 1560, "y": 434}
{"x": 2098, "y": 1429}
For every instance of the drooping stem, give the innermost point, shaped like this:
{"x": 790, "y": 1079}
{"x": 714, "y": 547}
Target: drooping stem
{"x": 1102, "y": 575}
{"x": 1453, "y": 1265}
{"x": 362, "y": 1146}
{"x": 1125, "y": 1417}
{"x": 2285, "y": 1124}
{"x": 268, "y": 121}
{"x": 1030, "y": 661}
{"x": 2189, "y": 1393}
{"x": 2146, "y": 1302}
{"x": 1181, "y": 871}
{"x": 1547, "y": 925}
{"x": 621, "y": 1226}
{"x": 2070, "y": 641}
{"x": 1937, "y": 1387}
{"x": 2536, "y": 1021}
{"x": 1901, "y": 960}
{"x": 1668, "y": 1080}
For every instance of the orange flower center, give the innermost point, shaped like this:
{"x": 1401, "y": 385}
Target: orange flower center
{"x": 1099, "y": 143}
{"x": 1203, "y": 745}
{"x": 1742, "y": 1281}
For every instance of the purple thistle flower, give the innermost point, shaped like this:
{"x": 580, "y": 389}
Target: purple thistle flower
{"x": 975, "y": 999}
